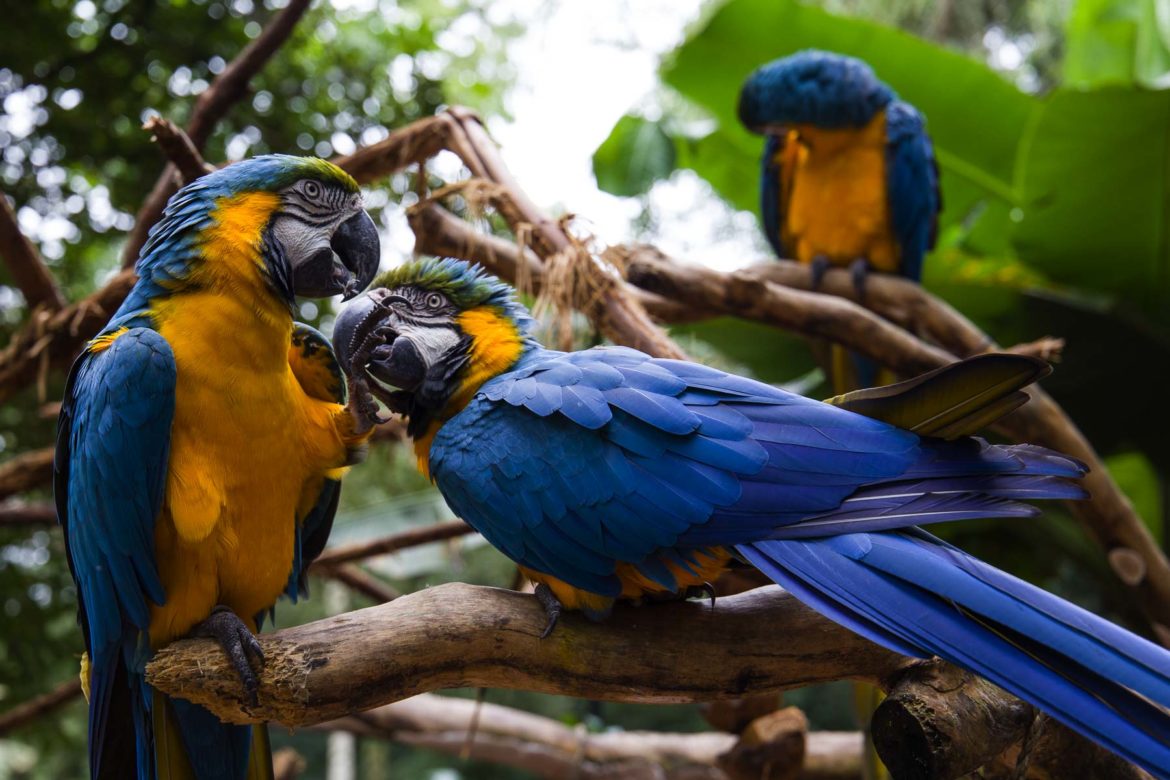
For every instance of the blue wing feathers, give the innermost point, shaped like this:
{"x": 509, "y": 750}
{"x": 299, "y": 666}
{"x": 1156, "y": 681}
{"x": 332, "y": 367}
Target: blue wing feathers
{"x": 912, "y": 177}
{"x": 640, "y": 460}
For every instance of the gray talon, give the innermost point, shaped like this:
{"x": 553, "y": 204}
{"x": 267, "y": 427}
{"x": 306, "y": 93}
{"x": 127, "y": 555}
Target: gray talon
{"x": 240, "y": 645}
{"x": 552, "y": 607}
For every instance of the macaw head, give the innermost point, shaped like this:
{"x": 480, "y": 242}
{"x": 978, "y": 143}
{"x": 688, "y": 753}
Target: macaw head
{"x": 811, "y": 88}
{"x": 297, "y": 222}
{"x": 429, "y": 333}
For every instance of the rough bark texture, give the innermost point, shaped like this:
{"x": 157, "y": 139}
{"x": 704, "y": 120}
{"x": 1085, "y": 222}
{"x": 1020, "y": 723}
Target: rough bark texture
{"x": 461, "y": 635}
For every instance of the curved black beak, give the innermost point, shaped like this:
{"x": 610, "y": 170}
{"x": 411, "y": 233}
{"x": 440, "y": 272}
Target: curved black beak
{"x": 355, "y": 244}
{"x": 353, "y": 325}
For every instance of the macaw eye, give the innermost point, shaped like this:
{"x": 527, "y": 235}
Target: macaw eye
{"x": 312, "y": 190}
{"x": 433, "y": 301}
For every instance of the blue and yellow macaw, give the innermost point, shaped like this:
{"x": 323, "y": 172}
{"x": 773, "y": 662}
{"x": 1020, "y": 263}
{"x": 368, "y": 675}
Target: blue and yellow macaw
{"x": 200, "y": 442}
{"x": 606, "y": 474}
{"x": 848, "y": 176}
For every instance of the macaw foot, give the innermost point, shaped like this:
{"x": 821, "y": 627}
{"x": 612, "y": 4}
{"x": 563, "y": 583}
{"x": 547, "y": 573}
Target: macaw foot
{"x": 819, "y": 265}
{"x": 552, "y": 607}
{"x": 858, "y": 271}
{"x": 362, "y": 405}
{"x": 225, "y": 627}
{"x": 704, "y": 591}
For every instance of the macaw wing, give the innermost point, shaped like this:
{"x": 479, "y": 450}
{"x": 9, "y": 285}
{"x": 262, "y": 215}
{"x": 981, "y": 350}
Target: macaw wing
{"x": 316, "y": 369}
{"x": 574, "y": 462}
{"x": 912, "y": 174}
{"x": 772, "y": 201}
{"x": 110, "y": 469}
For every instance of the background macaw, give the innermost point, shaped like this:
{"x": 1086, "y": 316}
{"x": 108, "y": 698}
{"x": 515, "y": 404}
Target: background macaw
{"x": 848, "y": 176}
{"x": 607, "y": 474}
{"x": 198, "y": 450}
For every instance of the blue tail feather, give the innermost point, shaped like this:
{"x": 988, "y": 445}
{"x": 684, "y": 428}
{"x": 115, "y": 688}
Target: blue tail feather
{"x": 1024, "y": 639}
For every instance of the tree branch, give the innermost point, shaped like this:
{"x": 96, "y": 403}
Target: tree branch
{"x": 227, "y": 88}
{"x": 457, "y": 635}
{"x": 26, "y": 471}
{"x": 179, "y": 149}
{"x": 461, "y": 635}
{"x": 25, "y": 264}
{"x": 26, "y": 712}
{"x": 411, "y": 537}
{"x": 50, "y": 339}
{"x": 360, "y": 581}
{"x": 28, "y": 516}
{"x": 550, "y": 749}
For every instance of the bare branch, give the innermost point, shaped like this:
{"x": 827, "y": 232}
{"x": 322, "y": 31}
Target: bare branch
{"x": 26, "y": 516}
{"x": 52, "y": 339}
{"x": 26, "y": 471}
{"x": 357, "y": 579}
{"x": 412, "y": 537}
{"x": 29, "y": 711}
{"x": 553, "y": 750}
{"x": 460, "y": 635}
{"x": 229, "y": 86}
{"x": 399, "y": 150}
{"x": 456, "y": 635}
{"x": 25, "y": 264}
{"x": 178, "y": 147}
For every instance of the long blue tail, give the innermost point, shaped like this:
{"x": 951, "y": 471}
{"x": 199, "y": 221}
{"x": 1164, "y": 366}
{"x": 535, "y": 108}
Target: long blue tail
{"x": 918, "y": 595}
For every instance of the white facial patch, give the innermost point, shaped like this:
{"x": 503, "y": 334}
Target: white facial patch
{"x": 431, "y": 342}
{"x": 299, "y": 239}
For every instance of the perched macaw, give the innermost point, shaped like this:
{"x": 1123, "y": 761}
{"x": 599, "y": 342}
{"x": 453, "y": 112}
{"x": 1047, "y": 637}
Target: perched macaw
{"x": 606, "y": 474}
{"x": 848, "y": 176}
{"x": 200, "y": 442}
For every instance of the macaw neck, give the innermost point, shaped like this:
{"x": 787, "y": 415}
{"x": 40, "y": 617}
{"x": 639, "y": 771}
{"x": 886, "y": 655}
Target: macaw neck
{"x": 821, "y": 140}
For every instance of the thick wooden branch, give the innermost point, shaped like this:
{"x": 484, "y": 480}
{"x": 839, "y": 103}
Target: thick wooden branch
{"x": 36, "y": 708}
{"x": 460, "y": 635}
{"x": 550, "y": 749}
{"x": 1108, "y": 516}
{"x": 25, "y": 264}
{"x": 455, "y": 636}
{"x": 26, "y": 471}
{"x": 227, "y": 88}
{"x": 28, "y": 516}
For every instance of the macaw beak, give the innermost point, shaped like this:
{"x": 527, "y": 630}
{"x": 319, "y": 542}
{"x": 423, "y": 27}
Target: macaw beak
{"x": 366, "y": 340}
{"x": 346, "y": 267}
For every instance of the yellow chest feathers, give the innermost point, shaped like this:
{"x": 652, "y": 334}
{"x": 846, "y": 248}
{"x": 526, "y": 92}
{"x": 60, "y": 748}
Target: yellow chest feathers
{"x": 834, "y": 195}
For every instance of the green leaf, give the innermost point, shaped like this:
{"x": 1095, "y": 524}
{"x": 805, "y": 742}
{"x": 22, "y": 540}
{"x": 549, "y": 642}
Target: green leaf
{"x": 636, "y": 154}
{"x": 1117, "y": 42}
{"x": 1094, "y": 173}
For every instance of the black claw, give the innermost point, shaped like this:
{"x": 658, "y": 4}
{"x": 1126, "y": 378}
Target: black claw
{"x": 820, "y": 264}
{"x": 240, "y": 645}
{"x": 552, "y": 607}
{"x": 858, "y": 271}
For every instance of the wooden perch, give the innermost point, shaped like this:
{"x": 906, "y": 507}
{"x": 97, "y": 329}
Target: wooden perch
{"x": 550, "y": 749}
{"x": 454, "y": 636}
{"x": 25, "y": 264}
